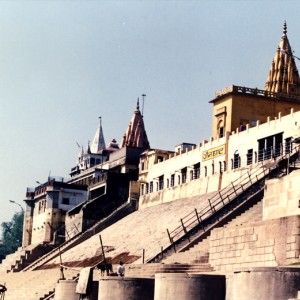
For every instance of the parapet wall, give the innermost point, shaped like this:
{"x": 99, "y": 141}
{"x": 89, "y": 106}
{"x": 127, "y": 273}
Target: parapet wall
{"x": 264, "y": 244}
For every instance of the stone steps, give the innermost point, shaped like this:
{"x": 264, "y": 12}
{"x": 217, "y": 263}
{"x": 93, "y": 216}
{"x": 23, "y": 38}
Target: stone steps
{"x": 18, "y": 260}
{"x": 200, "y": 251}
{"x": 149, "y": 270}
{"x": 32, "y": 285}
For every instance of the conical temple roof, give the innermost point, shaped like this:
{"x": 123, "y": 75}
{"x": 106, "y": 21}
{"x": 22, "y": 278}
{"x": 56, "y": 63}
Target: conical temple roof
{"x": 136, "y": 135}
{"x": 98, "y": 141}
{"x": 283, "y": 76}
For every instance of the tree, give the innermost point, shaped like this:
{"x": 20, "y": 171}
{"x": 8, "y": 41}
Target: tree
{"x": 11, "y": 234}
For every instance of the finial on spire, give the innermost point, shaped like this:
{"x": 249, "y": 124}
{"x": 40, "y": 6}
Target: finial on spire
{"x": 100, "y": 118}
{"x": 284, "y": 28}
{"x": 138, "y": 104}
{"x": 143, "y": 95}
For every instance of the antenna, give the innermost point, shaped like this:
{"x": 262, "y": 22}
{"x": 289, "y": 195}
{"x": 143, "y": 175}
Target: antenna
{"x": 143, "y": 95}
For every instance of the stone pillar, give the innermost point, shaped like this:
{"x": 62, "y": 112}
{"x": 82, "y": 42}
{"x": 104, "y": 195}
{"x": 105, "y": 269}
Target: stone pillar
{"x": 276, "y": 283}
{"x": 182, "y": 286}
{"x": 65, "y": 289}
{"x": 126, "y": 288}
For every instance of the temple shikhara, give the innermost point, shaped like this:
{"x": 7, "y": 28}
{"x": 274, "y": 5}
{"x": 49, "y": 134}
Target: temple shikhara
{"x": 217, "y": 219}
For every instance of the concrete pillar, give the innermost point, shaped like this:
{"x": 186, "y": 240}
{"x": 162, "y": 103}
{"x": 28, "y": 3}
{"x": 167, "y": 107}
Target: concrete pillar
{"x": 182, "y": 286}
{"x": 276, "y": 283}
{"x": 65, "y": 289}
{"x": 126, "y": 288}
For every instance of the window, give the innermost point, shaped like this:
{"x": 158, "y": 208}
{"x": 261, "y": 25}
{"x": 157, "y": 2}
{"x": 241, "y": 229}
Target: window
{"x": 161, "y": 182}
{"x": 236, "y": 160}
{"x": 220, "y": 167}
{"x": 151, "y": 186}
{"x": 191, "y": 175}
{"x": 142, "y": 189}
{"x": 160, "y": 159}
{"x": 172, "y": 180}
{"x": 250, "y": 157}
{"x": 183, "y": 174}
{"x": 221, "y": 132}
{"x": 66, "y": 201}
{"x": 288, "y": 145}
{"x": 197, "y": 170}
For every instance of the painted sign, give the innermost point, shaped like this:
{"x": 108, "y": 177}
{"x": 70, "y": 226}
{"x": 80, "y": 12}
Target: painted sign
{"x": 214, "y": 152}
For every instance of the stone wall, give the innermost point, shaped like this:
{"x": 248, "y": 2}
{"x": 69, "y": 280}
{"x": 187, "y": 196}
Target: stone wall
{"x": 282, "y": 196}
{"x": 264, "y": 244}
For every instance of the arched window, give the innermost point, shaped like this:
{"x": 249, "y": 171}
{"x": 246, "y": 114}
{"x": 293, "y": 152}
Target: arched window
{"x": 236, "y": 160}
{"x": 220, "y": 128}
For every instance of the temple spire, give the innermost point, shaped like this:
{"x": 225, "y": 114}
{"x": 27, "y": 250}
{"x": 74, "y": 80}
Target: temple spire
{"x": 98, "y": 141}
{"x": 283, "y": 75}
{"x": 135, "y": 135}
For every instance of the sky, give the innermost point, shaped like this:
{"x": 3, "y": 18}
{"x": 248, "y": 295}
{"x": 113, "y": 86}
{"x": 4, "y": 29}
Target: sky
{"x": 63, "y": 64}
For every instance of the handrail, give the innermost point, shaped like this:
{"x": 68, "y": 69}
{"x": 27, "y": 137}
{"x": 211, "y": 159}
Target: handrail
{"x": 225, "y": 196}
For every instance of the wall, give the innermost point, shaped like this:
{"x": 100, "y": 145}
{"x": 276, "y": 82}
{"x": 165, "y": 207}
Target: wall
{"x": 265, "y": 244}
{"x": 282, "y": 197}
{"x": 73, "y": 224}
{"x": 41, "y": 230}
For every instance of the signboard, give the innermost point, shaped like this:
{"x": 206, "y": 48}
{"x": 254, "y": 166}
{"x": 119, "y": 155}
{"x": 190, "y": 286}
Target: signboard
{"x": 214, "y": 152}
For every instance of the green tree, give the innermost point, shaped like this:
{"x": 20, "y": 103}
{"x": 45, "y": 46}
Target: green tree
{"x": 11, "y": 234}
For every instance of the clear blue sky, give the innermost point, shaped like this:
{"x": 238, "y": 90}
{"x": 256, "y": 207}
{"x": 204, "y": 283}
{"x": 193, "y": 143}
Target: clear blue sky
{"x": 65, "y": 63}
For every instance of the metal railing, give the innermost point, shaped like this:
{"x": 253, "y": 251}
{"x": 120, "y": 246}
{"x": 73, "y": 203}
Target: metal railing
{"x": 228, "y": 194}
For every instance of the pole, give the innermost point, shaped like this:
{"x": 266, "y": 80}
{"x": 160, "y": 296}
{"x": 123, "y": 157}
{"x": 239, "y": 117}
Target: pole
{"x": 103, "y": 255}
{"x": 61, "y": 266}
{"x": 144, "y": 95}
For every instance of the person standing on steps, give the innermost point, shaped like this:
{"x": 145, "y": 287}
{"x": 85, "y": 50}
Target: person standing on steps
{"x": 121, "y": 269}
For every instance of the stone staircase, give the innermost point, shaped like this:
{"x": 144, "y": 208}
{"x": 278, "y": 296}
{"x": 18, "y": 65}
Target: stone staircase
{"x": 199, "y": 253}
{"x": 149, "y": 270}
{"x": 23, "y": 257}
{"x": 122, "y": 211}
{"x": 32, "y": 285}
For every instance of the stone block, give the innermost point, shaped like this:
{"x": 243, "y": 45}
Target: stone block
{"x": 292, "y": 254}
{"x": 268, "y": 250}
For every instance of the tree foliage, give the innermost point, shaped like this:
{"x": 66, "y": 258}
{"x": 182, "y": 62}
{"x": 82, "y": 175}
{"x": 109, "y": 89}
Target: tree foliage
{"x": 11, "y": 234}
